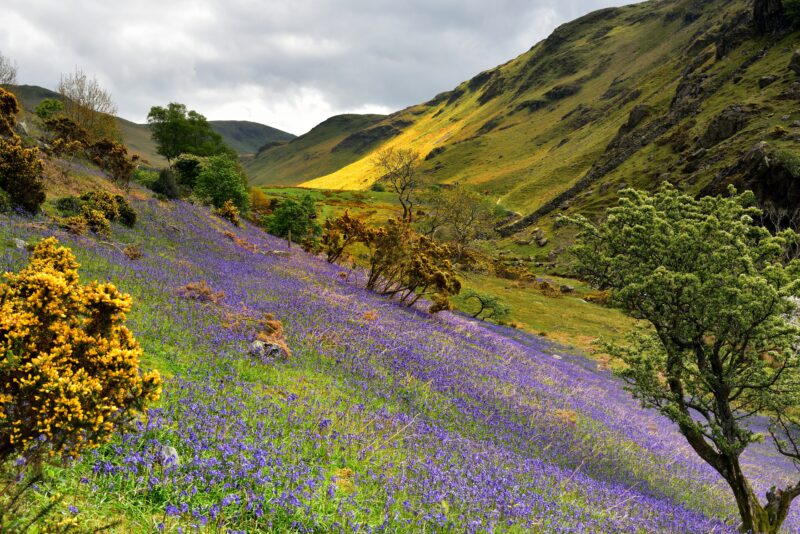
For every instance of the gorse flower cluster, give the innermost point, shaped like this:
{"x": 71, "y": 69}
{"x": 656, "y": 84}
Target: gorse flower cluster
{"x": 229, "y": 212}
{"x": 70, "y": 370}
{"x": 95, "y": 210}
{"x": 20, "y": 168}
{"x": 402, "y": 263}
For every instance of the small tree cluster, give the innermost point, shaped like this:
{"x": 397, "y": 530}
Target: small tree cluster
{"x": 401, "y": 263}
{"x": 95, "y": 211}
{"x": 20, "y": 168}
{"x": 177, "y": 131}
{"x": 74, "y": 388}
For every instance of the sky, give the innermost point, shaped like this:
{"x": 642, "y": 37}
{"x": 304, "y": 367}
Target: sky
{"x": 286, "y": 63}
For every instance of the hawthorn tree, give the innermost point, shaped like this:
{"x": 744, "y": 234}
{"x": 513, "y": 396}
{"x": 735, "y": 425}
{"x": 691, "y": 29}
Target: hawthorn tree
{"x": 8, "y": 71}
{"x": 718, "y": 344}
{"x": 294, "y": 218}
{"x": 399, "y": 170}
{"x": 221, "y": 179}
{"x": 177, "y": 131}
{"x": 489, "y": 306}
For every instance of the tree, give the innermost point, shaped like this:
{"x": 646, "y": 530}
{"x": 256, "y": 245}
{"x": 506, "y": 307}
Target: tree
{"x": 399, "y": 170}
{"x": 89, "y": 105}
{"x": 340, "y": 233}
{"x": 294, "y": 218}
{"x": 221, "y": 179}
{"x": 8, "y": 71}
{"x": 48, "y": 108}
{"x": 113, "y": 158}
{"x": 718, "y": 345}
{"x": 177, "y": 131}
{"x": 458, "y": 215}
{"x": 489, "y": 306}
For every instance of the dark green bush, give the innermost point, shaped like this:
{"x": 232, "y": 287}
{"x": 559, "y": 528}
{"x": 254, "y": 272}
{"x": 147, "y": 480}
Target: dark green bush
{"x": 166, "y": 185}
{"x": 127, "y": 215}
{"x": 69, "y": 205}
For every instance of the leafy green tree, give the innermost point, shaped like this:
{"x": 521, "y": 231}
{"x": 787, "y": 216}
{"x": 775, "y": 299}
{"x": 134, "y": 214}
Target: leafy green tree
{"x": 221, "y": 179}
{"x": 187, "y": 168}
{"x": 177, "y": 131}
{"x": 49, "y": 107}
{"x": 718, "y": 343}
{"x": 294, "y": 218}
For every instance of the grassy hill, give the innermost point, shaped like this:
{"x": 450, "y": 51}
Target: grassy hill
{"x": 623, "y": 96}
{"x": 243, "y": 136}
{"x": 326, "y": 148}
{"x": 384, "y": 418}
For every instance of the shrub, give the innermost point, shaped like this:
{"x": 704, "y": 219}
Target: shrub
{"x": 187, "y": 168}
{"x": 229, "y": 212}
{"x": 340, "y": 233}
{"x": 112, "y": 157}
{"x": 260, "y": 205}
{"x": 20, "y": 174}
{"x": 96, "y": 221}
{"x": 132, "y": 252}
{"x": 127, "y": 215}
{"x": 378, "y": 187}
{"x": 9, "y": 107}
{"x": 489, "y": 306}
{"x": 166, "y": 185}
{"x": 69, "y": 205}
{"x": 74, "y": 388}
{"x": 6, "y": 203}
{"x": 75, "y": 225}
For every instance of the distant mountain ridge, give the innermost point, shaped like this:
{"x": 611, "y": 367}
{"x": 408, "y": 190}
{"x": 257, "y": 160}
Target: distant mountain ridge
{"x": 664, "y": 90}
{"x": 245, "y": 137}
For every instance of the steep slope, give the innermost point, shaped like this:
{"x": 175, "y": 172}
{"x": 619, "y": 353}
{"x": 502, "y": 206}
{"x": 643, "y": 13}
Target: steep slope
{"x": 630, "y": 95}
{"x": 329, "y": 146}
{"x": 384, "y": 419}
{"x": 243, "y": 136}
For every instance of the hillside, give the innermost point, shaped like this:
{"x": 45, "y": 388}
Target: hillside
{"x": 329, "y": 146}
{"x": 243, "y": 136}
{"x": 670, "y": 90}
{"x": 384, "y": 418}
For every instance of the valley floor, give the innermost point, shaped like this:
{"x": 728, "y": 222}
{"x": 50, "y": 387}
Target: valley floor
{"x": 384, "y": 419}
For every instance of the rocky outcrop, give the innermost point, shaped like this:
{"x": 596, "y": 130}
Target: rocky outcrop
{"x": 560, "y": 92}
{"x": 794, "y": 64}
{"x": 362, "y": 141}
{"x": 792, "y": 92}
{"x": 267, "y": 352}
{"x": 768, "y": 16}
{"x": 731, "y": 121}
{"x": 766, "y": 81}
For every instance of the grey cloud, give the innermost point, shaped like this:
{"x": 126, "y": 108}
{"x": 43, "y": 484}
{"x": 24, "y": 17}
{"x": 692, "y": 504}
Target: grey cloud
{"x": 286, "y": 63}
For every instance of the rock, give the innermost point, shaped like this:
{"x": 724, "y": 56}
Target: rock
{"x": 637, "y": 115}
{"x": 19, "y": 244}
{"x": 795, "y": 124}
{"x": 167, "y": 456}
{"x": 280, "y": 253}
{"x": 266, "y": 352}
{"x": 542, "y": 241}
{"x": 792, "y": 92}
{"x": 766, "y": 81}
{"x": 731, "y": 121}
{"x": 794, "y": 64}
{"x": 566, "y": 288}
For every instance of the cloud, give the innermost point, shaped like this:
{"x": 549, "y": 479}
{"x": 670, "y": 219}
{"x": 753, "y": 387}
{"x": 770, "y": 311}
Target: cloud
{"x": 286, "y": 63}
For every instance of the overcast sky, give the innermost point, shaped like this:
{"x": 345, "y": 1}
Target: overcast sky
{"x": 287, "y": 63}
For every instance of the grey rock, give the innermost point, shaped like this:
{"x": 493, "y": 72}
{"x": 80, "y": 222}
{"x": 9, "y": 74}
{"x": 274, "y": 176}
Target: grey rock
{"x": 168, "y": 456}
{"x": 265, "y": 351}
{"x": 795, "y": 124}
{"x": 794, "y": 64}
{"x": 19, "y": 244}
{"x": 731, "y": 121}
{"x": 567, "y": 289}
{"x": 766, "y": 81}
{"x": 792, "y": 92}
{"x": 542, "y": 242}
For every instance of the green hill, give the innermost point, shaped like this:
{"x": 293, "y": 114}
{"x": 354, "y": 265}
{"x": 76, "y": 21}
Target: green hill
{"x": 243, "y": 136}
{"x": 670, "y": 90}
{"x": 329, "y": 146}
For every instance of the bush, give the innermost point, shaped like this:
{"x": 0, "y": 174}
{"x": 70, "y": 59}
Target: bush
{"x": 127, "y": 215}
{"x": 73, "y": 389}
{"x": 75, "y": 225}
{"x": 96, "y": 221}
{"x": 166, "y": 185}
{"x": 222, "y": 179}
{"x": 229, "y": 212}
{"x": 69, "y": 205}
{"x": 112, "y": 157}
{"x": 187, "y": 168}
{"x": 20, "y": 174}
{"x": 6, "y": 204}
{"x": 791, "y": 9}
{"x": 378, "y": 187}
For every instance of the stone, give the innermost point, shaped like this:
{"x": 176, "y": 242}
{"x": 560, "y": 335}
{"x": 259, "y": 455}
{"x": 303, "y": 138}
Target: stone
{"x": 795, "y": 124}
{"x": 766, "y": 81}
{"x": 167, "y": 456}
{"x": 566, "y": 288}
{"x": 19, "y": 244}
{"x": 794, "y": 64}
{"x": 792, "y": 92}
{"x": 265, "y": 351}
{"x": 728, "y": 123}
{"x": 542, "y": 242}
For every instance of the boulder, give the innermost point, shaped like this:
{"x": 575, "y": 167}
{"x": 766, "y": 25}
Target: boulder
{"x": 731, "y": 121}
{"x": 19, "y": 244}
{"x": 794, "y": 64}
{"x": 167, "y": 456}
{"x": 792, "y": 92}
{"x": 566, "y": 288}
{"x": 542, "y": 241}
{"x": 766, "y": 81}
{"x": 267, "y": 352}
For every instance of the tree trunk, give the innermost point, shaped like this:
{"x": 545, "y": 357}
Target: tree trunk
{"x": 755, "y": 518}
{"x": 768, "y": 16}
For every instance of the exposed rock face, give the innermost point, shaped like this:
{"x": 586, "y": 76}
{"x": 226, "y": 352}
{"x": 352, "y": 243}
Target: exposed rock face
{"x": 267, "y": 352}
{"x": 792, "y": 92}
{"x": 794, "y": 64}
{"x": 560, "y": 92}
{"x": 766, "y": 81}
{"x": 727, "y": 124}
{"x": 768, "y": 16}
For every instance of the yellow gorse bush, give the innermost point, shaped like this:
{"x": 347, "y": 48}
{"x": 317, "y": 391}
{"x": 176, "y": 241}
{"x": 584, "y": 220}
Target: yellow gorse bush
{"x": 70, "y": 368}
